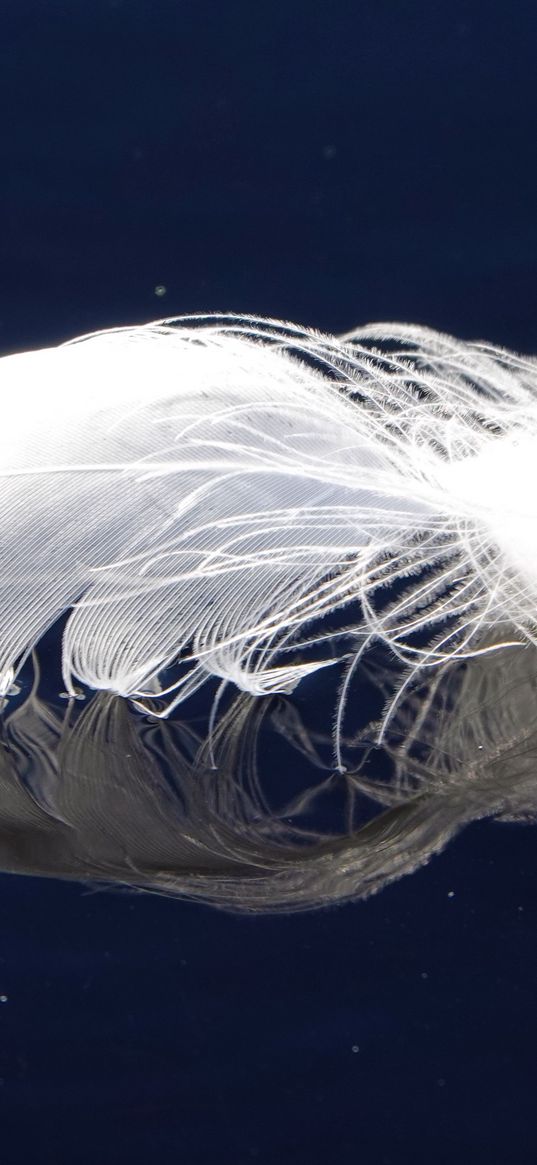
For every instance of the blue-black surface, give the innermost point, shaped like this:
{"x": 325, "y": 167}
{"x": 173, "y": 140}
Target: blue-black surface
{"x": 330, "y": 163}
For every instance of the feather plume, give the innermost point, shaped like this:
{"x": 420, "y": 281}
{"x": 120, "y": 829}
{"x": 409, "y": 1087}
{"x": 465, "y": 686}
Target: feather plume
{"x": 199, "y": 494}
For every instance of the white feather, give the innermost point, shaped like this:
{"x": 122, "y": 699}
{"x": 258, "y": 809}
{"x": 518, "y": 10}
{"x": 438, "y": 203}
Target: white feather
{"x": 200, "y": 493}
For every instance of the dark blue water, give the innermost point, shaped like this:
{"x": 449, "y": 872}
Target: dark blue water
{"x": 328, "y": 163}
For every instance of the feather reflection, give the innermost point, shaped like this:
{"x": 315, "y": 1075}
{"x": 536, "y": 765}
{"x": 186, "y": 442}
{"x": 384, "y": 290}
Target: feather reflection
{"x": 107, "y": 795}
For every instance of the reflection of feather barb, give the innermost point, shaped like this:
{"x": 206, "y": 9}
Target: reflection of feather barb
{"x": 201, "y": 490}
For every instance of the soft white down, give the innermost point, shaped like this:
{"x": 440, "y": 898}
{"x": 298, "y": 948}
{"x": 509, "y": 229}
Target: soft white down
{"x": 202, "y": 493}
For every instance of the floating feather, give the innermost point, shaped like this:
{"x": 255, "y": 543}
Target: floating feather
{"x": 200, "y": 494}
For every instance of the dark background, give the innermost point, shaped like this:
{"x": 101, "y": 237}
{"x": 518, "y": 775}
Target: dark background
{"x": 329, "y": 162}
